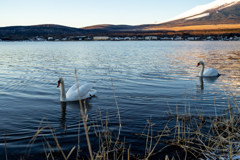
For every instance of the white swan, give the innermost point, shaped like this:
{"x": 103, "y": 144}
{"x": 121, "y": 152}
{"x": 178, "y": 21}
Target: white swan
{"x": 84, "y": 88}
{"x": 210, "y": 72}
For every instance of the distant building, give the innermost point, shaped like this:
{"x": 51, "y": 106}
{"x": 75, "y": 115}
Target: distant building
{"x": 88, "y": 39}
{"x": 209, "y": 38}
{"x": 127, "y": 38}
{"x": 80, "y": 38}
{"x": 197, "y": 38}
{"x": 40, "y": 39}
{"x": 151, "y": 38}
{"x": 115, "y": 39}
{"x": 134, "y": 38}
{"x": 191, "y": 38}
{"x": 219, "y": 38}
{"x": 140, "y": 38}
{"x": 178, "y": 38}
{"x": 100, "y": 38}
{"x": 166, "y": 38}
{"x": 235, "y": 38}
{"x": 50, "y": 38}
{"x": 225, "y": 38}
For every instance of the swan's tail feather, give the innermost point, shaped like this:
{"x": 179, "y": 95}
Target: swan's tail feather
{"x": 91, "y": 93}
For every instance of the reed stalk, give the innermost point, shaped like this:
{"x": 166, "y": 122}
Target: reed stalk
{"x": 84, "y": 118}
{"x": 5, "y": 145}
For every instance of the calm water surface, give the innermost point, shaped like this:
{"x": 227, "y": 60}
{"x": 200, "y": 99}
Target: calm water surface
{"x": 150, "y": 79}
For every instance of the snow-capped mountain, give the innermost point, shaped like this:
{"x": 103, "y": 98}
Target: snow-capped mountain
{"x": 205, "y": 10}
{"x": 214, "y": 13}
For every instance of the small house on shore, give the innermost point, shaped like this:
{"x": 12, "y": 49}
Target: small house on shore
{"x": 151, "y": 38}
{"x": 50, "y": 39}
{"x": 100, "y": 38}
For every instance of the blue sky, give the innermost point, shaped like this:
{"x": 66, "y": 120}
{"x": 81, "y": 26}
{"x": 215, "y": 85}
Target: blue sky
{"x": 81, "y": 13}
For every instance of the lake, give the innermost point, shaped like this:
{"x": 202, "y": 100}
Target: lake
{"x": 150, "y": 80}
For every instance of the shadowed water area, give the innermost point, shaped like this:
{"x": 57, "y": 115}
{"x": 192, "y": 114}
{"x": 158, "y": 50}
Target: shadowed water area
{"x": 150, "y": 78}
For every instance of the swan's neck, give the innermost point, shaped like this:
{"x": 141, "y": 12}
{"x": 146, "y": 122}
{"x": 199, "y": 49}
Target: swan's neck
{"x": 201, "y": 72}
{"x": 63, "y": 93}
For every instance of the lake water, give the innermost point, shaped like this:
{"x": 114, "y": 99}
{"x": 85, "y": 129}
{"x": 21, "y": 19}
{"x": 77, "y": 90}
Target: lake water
{"x": 150, "y": 79}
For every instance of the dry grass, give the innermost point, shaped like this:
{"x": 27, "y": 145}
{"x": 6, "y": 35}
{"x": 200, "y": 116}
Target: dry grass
{"x": 203, "y": 137}
{"x": 198, "y": 27}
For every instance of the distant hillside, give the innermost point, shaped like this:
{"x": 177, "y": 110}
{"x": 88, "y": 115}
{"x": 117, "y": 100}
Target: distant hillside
{"x": 112, "y": 27}
{"x": 24, "y": 32}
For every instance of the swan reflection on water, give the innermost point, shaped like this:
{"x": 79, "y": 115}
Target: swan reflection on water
{"x": 63, "y": 115}
{"x": 201, "y": 82}
{"x": 73, "y": 105}
{"x": 76, "y": 105}
{"x": 209, "y": 80}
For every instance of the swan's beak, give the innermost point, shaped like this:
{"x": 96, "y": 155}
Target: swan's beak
{"x": 197, "y": 64}
{"x": 58, "y": 84}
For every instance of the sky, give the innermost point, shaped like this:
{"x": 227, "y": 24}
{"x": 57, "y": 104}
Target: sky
{"x": 82, "y": 13}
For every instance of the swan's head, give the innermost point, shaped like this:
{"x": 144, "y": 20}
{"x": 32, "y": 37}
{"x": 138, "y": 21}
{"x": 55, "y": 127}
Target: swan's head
{"x": 60, "y": 80}
{"x": 200, "y": 63}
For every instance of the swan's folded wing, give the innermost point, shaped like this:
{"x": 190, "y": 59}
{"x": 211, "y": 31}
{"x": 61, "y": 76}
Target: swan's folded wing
{"x": 84, "y": 89}
{"x": 72, "y": 95}
{"x": 74, "y": 87}
{"x": 210, "y": 72}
